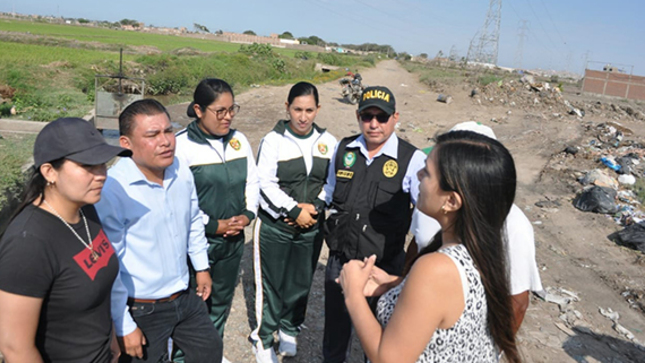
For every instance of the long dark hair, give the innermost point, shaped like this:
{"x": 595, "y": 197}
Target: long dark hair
{"x": 35, "y": 187}
{"x": 207, "y": 92}
{"x": 482, "y": 172}
{"x": 302, "y": 89}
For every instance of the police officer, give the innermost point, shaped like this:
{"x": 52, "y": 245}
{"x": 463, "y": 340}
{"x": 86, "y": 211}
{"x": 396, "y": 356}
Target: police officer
{"x": 370, "y": 187}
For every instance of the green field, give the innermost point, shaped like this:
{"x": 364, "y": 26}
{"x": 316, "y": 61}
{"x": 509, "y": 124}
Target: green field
{"x": 51, "y": 67}
{"x": 51, "y": 70}
{"x": 122, "y": 37}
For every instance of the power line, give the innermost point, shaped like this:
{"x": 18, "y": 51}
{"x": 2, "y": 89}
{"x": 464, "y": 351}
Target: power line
{"x": 554, "y": 25}
{"x": 540, "y": 23}
{"x": 534, "y": 36}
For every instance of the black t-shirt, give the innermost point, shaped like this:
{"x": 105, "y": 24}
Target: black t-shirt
{"x": 40, "y": 257}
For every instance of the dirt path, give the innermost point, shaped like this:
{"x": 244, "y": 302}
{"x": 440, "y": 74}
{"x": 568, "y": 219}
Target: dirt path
{"x": 572, "y": 249}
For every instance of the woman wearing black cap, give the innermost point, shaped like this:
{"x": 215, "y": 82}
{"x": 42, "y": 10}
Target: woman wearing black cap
{"x": 221, "y": 159}
{"x": 56, "y": 265}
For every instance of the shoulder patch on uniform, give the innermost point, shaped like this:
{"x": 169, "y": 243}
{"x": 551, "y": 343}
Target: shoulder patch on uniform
{"x": 322, "y": 147}
{"x": 235, "y": 144}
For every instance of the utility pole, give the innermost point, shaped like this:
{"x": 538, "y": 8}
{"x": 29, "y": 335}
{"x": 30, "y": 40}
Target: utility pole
{"x": 519, "y": 54}
{"x": 569, "y": 58}
{"x": 586, "y": 57}
{"x": 487, "y": 48}
{"x": 454, "y": 54}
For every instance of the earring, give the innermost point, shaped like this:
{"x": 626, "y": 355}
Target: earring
{"x": 443, "y": 209}
{"x": 50, "y": 183}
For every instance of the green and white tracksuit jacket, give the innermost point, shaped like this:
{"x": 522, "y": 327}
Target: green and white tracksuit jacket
{"x": 284, "y": 256}
{"x": 284, "y": 180}
{"x": 226, "y": 180}
{"x": 225, "y": 173}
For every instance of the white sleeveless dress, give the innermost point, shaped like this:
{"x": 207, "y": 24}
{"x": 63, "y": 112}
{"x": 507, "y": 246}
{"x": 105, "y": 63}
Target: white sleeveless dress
{"x": 469, "y": 340}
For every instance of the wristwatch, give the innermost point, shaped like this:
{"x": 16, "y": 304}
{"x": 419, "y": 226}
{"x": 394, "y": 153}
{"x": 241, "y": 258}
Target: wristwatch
{"x": 204, "y": 270}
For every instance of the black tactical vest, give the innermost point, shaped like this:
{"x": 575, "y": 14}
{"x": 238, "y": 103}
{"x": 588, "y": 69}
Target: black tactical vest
{"x": 373, "y": 212}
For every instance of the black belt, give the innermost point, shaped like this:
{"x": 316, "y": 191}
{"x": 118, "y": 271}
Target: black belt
{"x": 170, "y": 298}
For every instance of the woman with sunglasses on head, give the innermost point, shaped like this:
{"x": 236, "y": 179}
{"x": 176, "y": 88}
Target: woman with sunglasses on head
{"x": 292, "y": 164}
{"x": 222, "y": 163}
{"x": 453, "y": 303}
{"x": 56, "y": 265}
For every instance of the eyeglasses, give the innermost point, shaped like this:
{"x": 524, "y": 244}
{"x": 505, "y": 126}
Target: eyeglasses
{"x": 222, "y": 111}
{"x": 380, "y": 117}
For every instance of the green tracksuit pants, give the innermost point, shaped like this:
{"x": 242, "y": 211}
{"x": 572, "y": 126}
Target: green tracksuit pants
{"x": 283, "y": 265}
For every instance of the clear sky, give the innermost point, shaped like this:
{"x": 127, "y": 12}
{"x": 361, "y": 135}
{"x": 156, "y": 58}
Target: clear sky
{"x": 560, "y": 34}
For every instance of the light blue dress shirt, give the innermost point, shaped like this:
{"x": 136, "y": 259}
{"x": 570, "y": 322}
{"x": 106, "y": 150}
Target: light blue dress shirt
{"x": 152, "y": 228}
{"x": 410, "y": 183}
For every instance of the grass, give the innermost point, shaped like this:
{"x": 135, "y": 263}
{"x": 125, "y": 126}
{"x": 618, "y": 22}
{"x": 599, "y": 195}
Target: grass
{"x": 52, "y": 66}
{"x": 16, "y": 150}
{"x": 639, "y": 190}
{"x": 123, "y": 38}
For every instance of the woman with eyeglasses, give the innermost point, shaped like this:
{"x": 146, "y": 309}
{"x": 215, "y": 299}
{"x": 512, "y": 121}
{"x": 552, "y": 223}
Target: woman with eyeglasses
{"x": 287, "y": 238}
{"x": 57, "y": 266}
{"x": 223, "y": 165}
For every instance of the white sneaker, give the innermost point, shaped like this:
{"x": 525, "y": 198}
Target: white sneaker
{"x": 224, "y": 360}
{"x": 265, "y": 355}
{"x": 288, "y": 345}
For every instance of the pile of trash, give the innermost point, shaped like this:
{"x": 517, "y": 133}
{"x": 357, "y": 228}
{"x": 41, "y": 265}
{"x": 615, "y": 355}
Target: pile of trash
{"x": 528, "y": 93}
{"x": 613, "y": 187}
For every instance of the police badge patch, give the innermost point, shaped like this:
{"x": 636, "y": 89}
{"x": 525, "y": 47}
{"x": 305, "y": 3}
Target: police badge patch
{"x": 322, "y": 148}
{"x": 235, "y": 144}
{"x": 349, "y": 159}
{"x": 390, "y": 168}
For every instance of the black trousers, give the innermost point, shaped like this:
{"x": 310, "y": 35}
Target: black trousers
{"x": 186, "y": 321}
{"x": 338, "y": 324}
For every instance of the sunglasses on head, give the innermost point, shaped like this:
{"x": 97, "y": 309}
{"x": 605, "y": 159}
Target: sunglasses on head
{"x": 380, "y": 117}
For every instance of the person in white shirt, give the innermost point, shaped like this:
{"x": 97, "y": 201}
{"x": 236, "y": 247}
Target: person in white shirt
{"x": 524, "y": 274}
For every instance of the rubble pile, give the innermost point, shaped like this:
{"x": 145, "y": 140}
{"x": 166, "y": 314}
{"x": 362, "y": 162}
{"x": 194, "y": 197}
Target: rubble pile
{"x": 527, "y": 93}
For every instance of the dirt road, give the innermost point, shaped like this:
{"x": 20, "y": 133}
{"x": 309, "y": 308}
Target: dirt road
{"x": 573, "y": 252}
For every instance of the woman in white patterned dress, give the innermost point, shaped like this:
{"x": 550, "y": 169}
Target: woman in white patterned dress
{"x": 453, "y": 303}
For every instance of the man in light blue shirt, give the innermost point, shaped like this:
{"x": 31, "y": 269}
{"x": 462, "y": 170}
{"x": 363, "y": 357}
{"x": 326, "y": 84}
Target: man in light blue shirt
{"x": 150, "y": 213}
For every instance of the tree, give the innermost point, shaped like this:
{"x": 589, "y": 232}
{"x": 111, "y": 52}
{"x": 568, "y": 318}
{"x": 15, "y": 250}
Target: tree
{"x": 313, "y": 40}
{"x": 423, "y": 55}
{"x": 286, "y": 35}
{"x": 200, "y": 28}
{"x": 249, "y": 32}
{"x": 130, "y": 22}
{"x": 83, "y": 21}
{"x": 404, "y": 56}
{"x": 219, "y": 32}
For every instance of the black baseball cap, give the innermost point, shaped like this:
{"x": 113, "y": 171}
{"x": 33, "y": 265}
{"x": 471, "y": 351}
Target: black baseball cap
{"x": 74, "y": 139}
{"x": 380, "y": 97}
